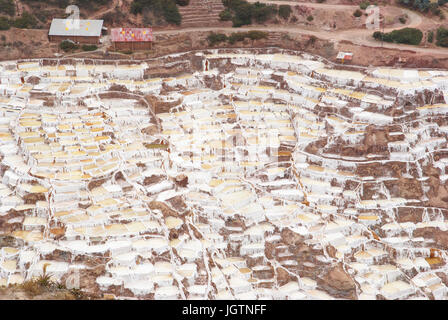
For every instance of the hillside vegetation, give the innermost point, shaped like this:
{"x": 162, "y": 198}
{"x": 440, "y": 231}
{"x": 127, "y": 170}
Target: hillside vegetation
{"x": 425, "y": 6}
{"x": 156, "y": 12}
{"x": 38, "y": 13}
{"x": 241, "y": 12}
{"x": 405, "y": 36}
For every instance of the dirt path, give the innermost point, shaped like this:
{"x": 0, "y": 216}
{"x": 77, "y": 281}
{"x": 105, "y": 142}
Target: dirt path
{"x": 19, "y": 8}
{"x": 115, "y": 4}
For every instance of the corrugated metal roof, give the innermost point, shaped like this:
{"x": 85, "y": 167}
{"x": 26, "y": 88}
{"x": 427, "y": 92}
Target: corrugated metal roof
{"x": 344, "y": 55}
{"x": 87, "y": 28}
{"x": 131, "y": 35}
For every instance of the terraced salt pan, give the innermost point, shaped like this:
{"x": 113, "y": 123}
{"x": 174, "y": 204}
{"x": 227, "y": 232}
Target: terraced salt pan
{"x": 313, "y": 196}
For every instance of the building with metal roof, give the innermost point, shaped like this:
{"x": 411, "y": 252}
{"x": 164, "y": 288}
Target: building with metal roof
{"x": 132, "y": 38}
{"x": 344, "y": 56}
{"x": 88, "y": 31}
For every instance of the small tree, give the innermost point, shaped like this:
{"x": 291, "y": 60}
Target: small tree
{"x": 225, "y": 15}
{"x": 357, "y": 13}
{"x": 237, "y": 37}
{"x": 171, "y": 13}
{"x": 26, "y": 21}
{"x": 442, "y": 37}
{"x": 262, "y": 12}
{"x": 443, "y": 42}
{"x": 257, "y": 35}
{"x": 311, "y": 41}
{"x": 183, "y": 2}
{"x": 4, "y": 23}
{"x": 377, "y": 35}
{"x": 243, "y": 15}
{"x": 214, "y": 38}
{"x": 68, "y": 45}
{"x": 7, "y": 7}
{"x": 310, "y": 18}
{"x": 430, "y": 36}
{"x": 137, "y": 7}
{"x": 284, "y": 11}
{"x": 363, "y": 5}
{"x": 405, "y": 35}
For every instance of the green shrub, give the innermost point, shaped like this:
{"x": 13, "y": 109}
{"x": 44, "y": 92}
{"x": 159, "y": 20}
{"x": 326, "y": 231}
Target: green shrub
{"x": 257, "y": 35}
{"x": 4, "y": 23}
{"x": 405, "y": 36}
{"x": 442, "y": 37}
{"x": 434, "y": 8}
{"x": 311, "y": 41}
{"x": 377, "y": 35}
{"x": 88, "y": 4}
{"x": 137, "y": 7}
{"x": 7, "y": 7}
{"x": 183, "y": 2}
{"x": 236, "y": 36}
{"x": 252, "y": 35}
{"x": 171, "y": 13}
{"x": 244, "y": 13}
{"x": 63, "y": 3}
{"x": 89, "y": 47}
{"x": 237, "y": 22}
{"x": 422, "y": 5}
{"x": 262, "y": 12}
{"x": 215, "y": 38}
{"x": 430, "y": 36}
{"x": 357, "y": 13}
{"x": 26, "y": 21}
{"x": 284, "y": 11}
{"x": 310, "y": 18}
{"x": 402, "y": 20}
{"x": 225, "y": 15}
{"x": 166, "y": 8}
{"x": 363, "y": 5}
{"x": 442, "y": 42}
{"x": 241, "y": 12}
{"x": 68, "y": 45}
